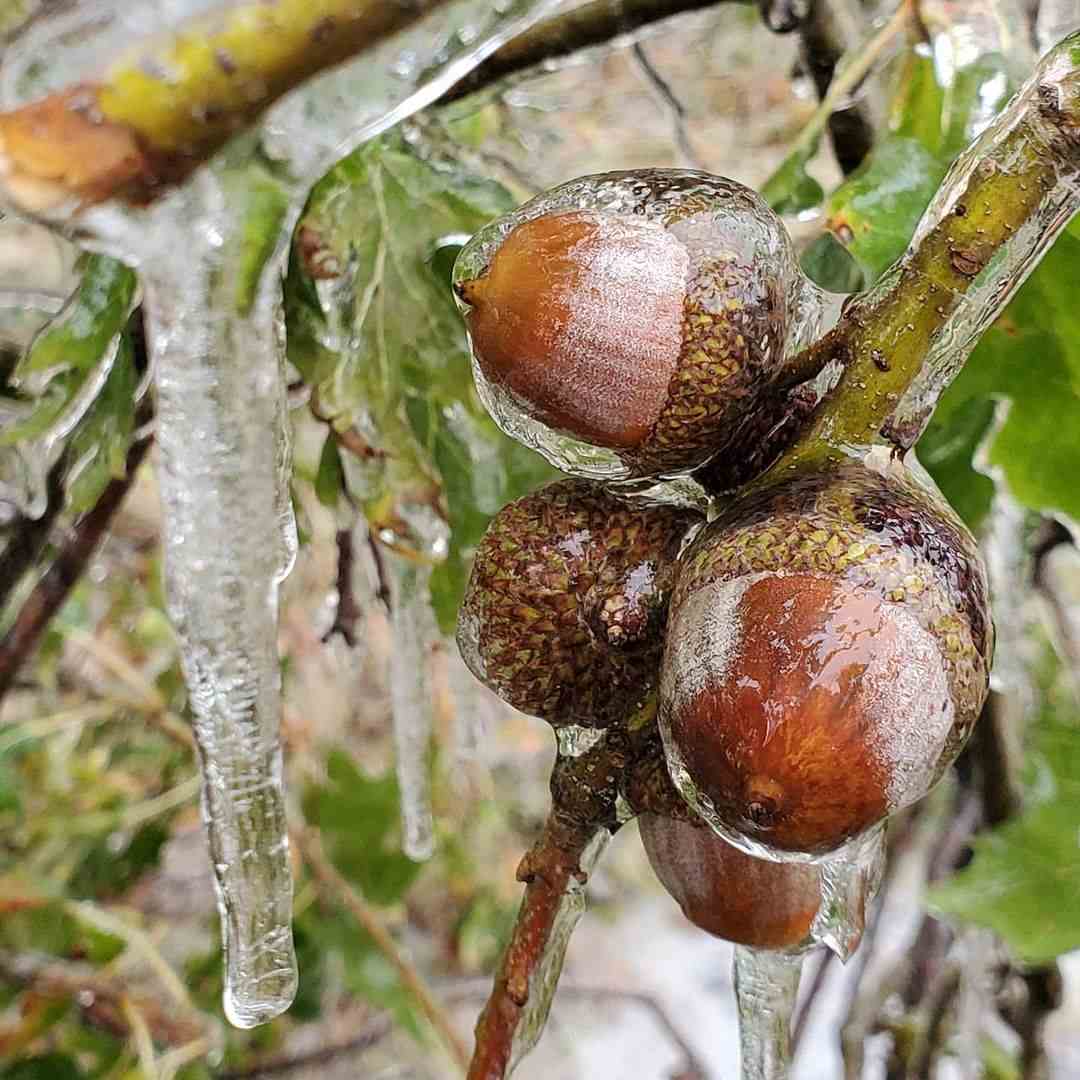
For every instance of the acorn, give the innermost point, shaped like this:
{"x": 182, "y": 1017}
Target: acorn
{"x": 564, "y": 611}
{"x": 727, "y": 893}
{"x": 828, "y": 653}
{"x": 626, "y": 324}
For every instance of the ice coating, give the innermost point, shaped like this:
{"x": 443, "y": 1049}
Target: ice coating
{"x": 993, "y": 282}
{"x": 727, "y": 893}
{"x": 545, "y": 976}
{"x": 228, "y": 543}
{"x": 850, "y": 879}
{"x": 827, "y": 654}
{"x": 743, "y": 292}
{"x": 579, "y": 318}
{"x": 214, "y": 330}
{"x": 412, "y": 634}
{"x": 766, "y": 988}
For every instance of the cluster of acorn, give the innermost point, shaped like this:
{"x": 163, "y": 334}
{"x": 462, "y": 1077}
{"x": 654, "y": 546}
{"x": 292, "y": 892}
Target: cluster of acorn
{"x": 785, "y": 666}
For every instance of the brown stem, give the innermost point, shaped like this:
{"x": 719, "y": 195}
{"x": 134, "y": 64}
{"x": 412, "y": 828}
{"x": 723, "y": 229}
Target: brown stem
{"x": 67, "y": 568}
{"x": 547, "y": 871}
{"x": 377, "y": 1029}
{"x": 29, "y": 535}
{"x": 595, "y": 23}
{"x": 348, "y": 610}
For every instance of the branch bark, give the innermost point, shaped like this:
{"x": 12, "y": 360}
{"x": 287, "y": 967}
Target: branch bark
{"x": 50, "y": 593}
{"x": 547, "y": 871}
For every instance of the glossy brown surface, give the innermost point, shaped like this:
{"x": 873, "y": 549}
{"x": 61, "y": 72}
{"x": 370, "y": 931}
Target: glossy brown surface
{"x": 579, "y": 317}
{"x": 564, "y": 613}
{"x": 828, "y": 653}
{"x": 749, "y": 901}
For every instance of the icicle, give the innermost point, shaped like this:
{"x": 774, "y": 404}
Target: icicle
{"x": 470, "y": 713}
{"x": 412, "y": 631}
{"x": 214, "y": 328}
{"x": 228, "y": 543}
{"x": 850, "y": 879}
{"x": 766, "y": 986}
{"x": 545, "y": 978}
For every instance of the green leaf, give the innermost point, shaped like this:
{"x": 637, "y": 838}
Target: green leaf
{"x": 63, "y": 358}
{"x": 948, "y": 448}
{"x": 358, "y": 817}
{"x": 1030, "y": 359}
{"x": 329, "y": 481}
{"x": 99, "y": 445}
{"x": 1024, "y": 875}
{"x": 78, "y": 337}
{"x": 873, "y": 213}
{"x": 105, "y": 871}
{"x": 791, "y": 189}
{"x": 373, "y": 326}
{"x": 43, "y": 1067}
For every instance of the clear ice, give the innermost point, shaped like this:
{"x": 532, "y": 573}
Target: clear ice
{"x": 412, "y": 635}
{"x": 766, "y": 987}
{"x": 994, "y": 286}
{"x": 214, "y": 329}
{"x": 545, "y": 977}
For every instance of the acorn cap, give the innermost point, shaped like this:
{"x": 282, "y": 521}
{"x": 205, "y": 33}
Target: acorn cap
{"x": 765, "y": 905}
{"x": 564, "y": 612}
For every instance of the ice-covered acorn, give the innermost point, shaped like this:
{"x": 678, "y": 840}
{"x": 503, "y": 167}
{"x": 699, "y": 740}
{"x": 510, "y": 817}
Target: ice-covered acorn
{"x": 627, "y": 324}
{"x": 564, "y": 612}
{"x": 727, "y": 893}
{"x": 827, "y": 655}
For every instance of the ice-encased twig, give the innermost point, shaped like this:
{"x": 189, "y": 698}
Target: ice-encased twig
{"x": 766, "y": 986}
{"x": 1003, "y": 203}
{"x": 555, "y": 873}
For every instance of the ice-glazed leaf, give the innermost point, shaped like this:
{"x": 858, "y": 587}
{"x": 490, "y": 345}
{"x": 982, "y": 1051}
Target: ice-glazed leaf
{"x": 373, "y": 327}
{"x": 76, "y": 339}
{"x": 1030, "y": 360}
{"x": 357, "y": 816}
{"x": 1025, "y": 875}
{"x": 98, "y": 447}
{"x": 874, "y": 212}
{"x": 791, "y": 189}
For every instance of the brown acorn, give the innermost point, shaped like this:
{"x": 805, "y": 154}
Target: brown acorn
{"x": 641, "y": 313}
{"x": 828, "y": 653}
{"x": 766, "y": 905}
{"x": 564, "y": 611}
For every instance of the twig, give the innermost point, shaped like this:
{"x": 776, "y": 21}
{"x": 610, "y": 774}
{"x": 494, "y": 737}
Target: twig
{"x": 938, "y": 295}
{"x": 670, "y": 101}
{"x": 170, "y": 101}
{"x": 28, "y": 536}
{"x": 798, "y": 1028}
{"x": 140, "y": 1035}
{"x": 547, "y": 870}
{"x": 50, "y": 593}
{"x": 99, "y": 997}
{"x": 831, "y": 29}
{"x": 348, "y": 610}
{"x": 326, "y": 874}
{"x": 597, "y": 23}
{"x": 372, "y": 1033}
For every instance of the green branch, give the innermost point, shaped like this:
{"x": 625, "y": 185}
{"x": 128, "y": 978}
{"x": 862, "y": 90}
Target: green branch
{"x": 1001, "y": 206}
{"x": 169, "y": 102}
